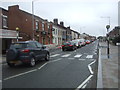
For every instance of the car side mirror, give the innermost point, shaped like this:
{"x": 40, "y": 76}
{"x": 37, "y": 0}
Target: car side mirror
{"x": 43, "y": 47}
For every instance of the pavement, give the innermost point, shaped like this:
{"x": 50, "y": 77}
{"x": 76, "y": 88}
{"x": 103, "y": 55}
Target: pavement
{"x": 109, "y": 66}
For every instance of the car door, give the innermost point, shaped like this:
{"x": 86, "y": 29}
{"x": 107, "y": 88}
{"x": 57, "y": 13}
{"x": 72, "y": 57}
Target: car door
{"x": 33, "y": 47}
{"x": 41, "y": 51}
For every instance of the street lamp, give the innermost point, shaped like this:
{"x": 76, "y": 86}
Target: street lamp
{"x": 17, "y": 29}
{"x": 33, "y": 19}
{"x": 107, "y": 35}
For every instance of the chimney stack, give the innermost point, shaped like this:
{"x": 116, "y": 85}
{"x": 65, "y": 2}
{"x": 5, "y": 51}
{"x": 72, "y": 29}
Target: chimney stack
{"x": 62, "y": 23}
{"x": 55, "y": 21}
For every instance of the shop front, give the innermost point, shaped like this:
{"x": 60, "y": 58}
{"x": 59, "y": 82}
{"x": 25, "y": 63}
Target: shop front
{"x": 7, "y": 37}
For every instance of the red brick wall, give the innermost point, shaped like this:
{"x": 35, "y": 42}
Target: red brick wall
{"x": 23, "y": 20}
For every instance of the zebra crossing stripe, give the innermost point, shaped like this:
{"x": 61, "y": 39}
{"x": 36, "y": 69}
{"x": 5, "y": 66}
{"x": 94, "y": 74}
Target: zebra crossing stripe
{"x": 66, "y": 55}
{"x": 89, "y": 56}
{"x": 55, "y": 55}
{"x": 77, "y": 56}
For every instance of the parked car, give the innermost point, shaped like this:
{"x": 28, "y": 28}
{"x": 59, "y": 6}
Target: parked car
{"x": 69, "y": 46}
{"x": 87, "y": 41}
{"x": 77, "y": 42}
{"x": 27, "y": 52}
{"x": 82, "y": 42}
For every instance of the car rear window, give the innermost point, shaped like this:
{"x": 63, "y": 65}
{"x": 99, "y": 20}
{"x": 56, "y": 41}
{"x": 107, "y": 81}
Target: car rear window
{"x": 18, "y": 45}
{"x": 66, "y": 43}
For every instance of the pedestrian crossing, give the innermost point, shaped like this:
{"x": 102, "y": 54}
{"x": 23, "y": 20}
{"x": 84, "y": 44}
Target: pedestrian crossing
{"x": 66, "y": 55}
{"x": 73, "y": 56}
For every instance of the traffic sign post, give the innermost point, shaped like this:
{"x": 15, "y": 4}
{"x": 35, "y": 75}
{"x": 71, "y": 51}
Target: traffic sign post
{"x": 108, "y": 49}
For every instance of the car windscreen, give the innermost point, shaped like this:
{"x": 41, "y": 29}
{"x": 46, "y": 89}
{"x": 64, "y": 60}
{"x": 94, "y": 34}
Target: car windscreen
{"x": 18, "y": 45}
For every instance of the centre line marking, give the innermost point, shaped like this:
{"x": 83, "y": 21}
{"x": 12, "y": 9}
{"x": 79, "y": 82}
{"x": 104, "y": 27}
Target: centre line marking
{"x": 42, "y": 66}
{"x": 20, "y": 74}
{"x": 66, "y": 55}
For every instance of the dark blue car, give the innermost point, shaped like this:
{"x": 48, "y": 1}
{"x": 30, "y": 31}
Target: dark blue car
{"x": 27, "y": 52}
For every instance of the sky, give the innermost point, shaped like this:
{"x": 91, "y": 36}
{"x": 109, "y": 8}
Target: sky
{"x": 84, "y": 16}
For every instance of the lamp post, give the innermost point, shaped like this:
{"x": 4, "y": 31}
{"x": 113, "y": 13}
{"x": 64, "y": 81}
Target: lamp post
{"x": 17, "y": 29}
{"x": 33, "y": 20}
{"x": 107, "y": 35}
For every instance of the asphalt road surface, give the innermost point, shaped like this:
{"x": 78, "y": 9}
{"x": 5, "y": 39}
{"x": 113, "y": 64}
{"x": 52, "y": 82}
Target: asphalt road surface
{"x": 68, "y": 69}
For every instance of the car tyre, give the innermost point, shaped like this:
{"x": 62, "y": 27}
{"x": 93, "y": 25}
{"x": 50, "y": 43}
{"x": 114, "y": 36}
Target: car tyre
{"x": 47, "y": 58}
{"x": 63, "y": 49}
{"x": 32, "y": 62}
{"x": 11, "y": 64}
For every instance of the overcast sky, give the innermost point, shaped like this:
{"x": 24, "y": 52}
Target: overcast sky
{"x": 83, "y": 16}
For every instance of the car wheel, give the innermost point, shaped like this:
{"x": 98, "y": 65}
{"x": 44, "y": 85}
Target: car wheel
{"x": 32, "y": 62}
{"x": 47, "y": 58}
{"x": 10, "y": 64}
{"x": 63, "y": 49}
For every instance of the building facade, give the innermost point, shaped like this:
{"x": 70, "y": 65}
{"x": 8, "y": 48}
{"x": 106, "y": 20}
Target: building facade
{"x": 40, "y": 30}
{"x": 6, "y": 35}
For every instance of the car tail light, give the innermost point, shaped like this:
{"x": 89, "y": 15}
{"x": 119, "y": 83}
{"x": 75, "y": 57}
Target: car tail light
{"x": 63, "y": 45}
{"x": 26, "y": 50}
{"x": 70, "y": 45}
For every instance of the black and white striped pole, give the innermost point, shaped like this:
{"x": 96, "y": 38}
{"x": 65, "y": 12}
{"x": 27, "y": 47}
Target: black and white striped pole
{"x": 108, "y": 48}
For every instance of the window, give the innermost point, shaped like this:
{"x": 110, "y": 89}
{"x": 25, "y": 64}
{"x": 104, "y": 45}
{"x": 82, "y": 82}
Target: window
{"x": 31, "y": 45}
{"x": 48, "y": 28}
{"x": 37, "y": 25}
{"x": 4, "y": 21}
{"x": 38, "y": 45}
{"x": 43, "y": 26}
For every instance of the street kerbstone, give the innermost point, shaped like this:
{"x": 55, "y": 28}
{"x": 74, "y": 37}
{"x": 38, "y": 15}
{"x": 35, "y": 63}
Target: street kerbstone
{"x": 109, "y": 66}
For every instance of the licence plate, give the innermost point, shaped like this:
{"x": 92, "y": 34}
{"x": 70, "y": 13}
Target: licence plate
{"x": 14, "y": 61}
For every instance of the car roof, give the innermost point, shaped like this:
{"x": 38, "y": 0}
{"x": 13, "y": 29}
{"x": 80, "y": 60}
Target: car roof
{"x": 24, "y": 41}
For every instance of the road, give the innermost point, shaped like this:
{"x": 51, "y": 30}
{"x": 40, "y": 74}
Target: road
{"x": 68, "y": 69}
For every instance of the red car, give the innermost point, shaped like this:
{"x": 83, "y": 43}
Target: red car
{"x": 69, "y": 46}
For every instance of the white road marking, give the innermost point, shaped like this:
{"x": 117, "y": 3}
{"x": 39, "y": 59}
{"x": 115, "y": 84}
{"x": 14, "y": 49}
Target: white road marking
{"x": 42, "y": 66}
{"x": 55, "y": 55}
{"x": 0, "y": 81}
{"x": 77, "y": 56}
{"x": 89, "y": 56}
{"x": 89, "y": 67}
{"x": 81, "y": 85}
{"x": 54, "y": 60}
{"x": 66, "y": 55}
{"x": 82, "y": 59}
{"x": 20, "y": 74}
{"x": 84, "y": 86}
